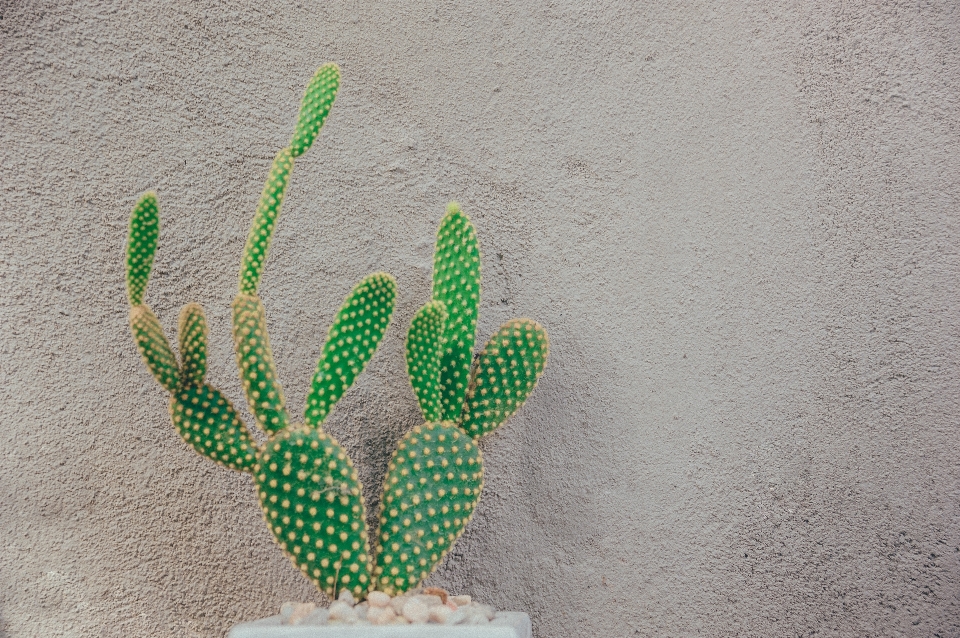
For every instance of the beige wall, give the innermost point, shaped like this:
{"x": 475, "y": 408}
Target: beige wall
{"x": 738, "y": 221}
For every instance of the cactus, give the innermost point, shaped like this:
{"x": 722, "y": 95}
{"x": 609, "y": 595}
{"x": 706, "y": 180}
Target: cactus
{"x": 202, "y": 415}
{"x": 306, "y": 484}
{"x": 435, "y": 477}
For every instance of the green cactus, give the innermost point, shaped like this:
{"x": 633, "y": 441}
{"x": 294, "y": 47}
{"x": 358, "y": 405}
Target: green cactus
{"x": 206, "y": 420}
{"x": 504, "y": 376}
{"x": 354, "y": 336}
{"x": 312, "y": 501}
{"x": 435, "y": 477}
{"x": 316, "y": 105}
{"x": 255, "y": 362}
{"x": 258, "y": 241}
{"x": 202, "y": 415}
{"x": 424, "y": 349}
{"x": 308, "y": 489}
{"x": 154, "y": 347}
{"x": 192, "y": 333}
{"x": 456, "y": 283}
{"x": 141, "y": 246}
{"x": 306, "y": 484}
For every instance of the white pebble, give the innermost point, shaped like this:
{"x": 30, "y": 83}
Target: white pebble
{"x": 461, "y": 601}
{"x": 398, "y": 603}
{"x": 300, "y": 611}
{"x": 362, "y": 609}
{"x": 440, "y": 614}
{"x": 381, "y": 615}
{"x": 342, "y": 612}
{"x": 285, "y": 610}
{"x": 428, "y": 600}
{"x": 486, "y": 610}
{"x": 320, "y": 616}
{"x": 415, "y": 611}
{"x": 378, "y": 599}
{"x": 456, "y": 617}
{"x": 347, "y": 597}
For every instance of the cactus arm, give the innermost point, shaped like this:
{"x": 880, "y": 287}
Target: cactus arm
{"x": 207, "y": 421}
{"x": 431, "y": 490}
{"x": 147, "y": 331}
{"x": 353, "y": 339}
{"x": 141, "y": 246}
{"x": 320, "y": 94}
{"x": 456, "y": 283}
{"x": 312, "y": 501}
{"x": 264, "y": 221}
{"x": 154, "y": 347}
{"x": 423, "y": 350}
{"x": 258, "y": 374}
{"x": 251, "y": 342}
{"x": 508, "y": 369}
{"x": 317, "y": 101}
{"x": 192, "y": 336}
{"x": 202, "y": 416}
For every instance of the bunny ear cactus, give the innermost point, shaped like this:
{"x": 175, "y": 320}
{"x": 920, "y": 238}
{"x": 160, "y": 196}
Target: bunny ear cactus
{"x": 456, "y": 284}
{"x": 202, "y": 415}
{"x": 306, "y": 484}
{"x": 308, "y": 488}
{"x": 435, "y": 477}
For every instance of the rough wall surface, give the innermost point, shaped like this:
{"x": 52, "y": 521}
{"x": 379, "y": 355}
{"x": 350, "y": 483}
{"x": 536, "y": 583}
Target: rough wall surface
{"x": 738, "y": 221}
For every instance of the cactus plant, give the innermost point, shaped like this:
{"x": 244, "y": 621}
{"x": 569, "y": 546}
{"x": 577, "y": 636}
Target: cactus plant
{"x": 307, "y": 487}
{"x": 435, "y": 477}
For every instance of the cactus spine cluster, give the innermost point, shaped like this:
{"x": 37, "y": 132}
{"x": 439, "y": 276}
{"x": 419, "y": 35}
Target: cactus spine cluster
{"x": 307, "y": 486}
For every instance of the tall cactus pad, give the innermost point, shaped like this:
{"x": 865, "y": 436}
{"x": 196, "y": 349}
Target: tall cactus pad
{"x": 258, "y": 241}
{"x": 206, "y": 420}
{"x": 456, "y": 283}
{"x": 506, "y": 373}
{"x": 430, "y": 492}
{"x": 192, "y": 334}
{"x": 353, "y": 339}
{"x": 154, "y": 347}
{"x": 311, "y": 500}
{"x": 424, "y": 347}
{"x": 141, "y": 246}
{"x": 255, "y": 361}
{"x": 321, "y": 92}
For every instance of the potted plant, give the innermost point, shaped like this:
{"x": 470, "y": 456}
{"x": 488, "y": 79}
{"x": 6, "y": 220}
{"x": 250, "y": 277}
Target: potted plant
{"x": 306, "y": 484}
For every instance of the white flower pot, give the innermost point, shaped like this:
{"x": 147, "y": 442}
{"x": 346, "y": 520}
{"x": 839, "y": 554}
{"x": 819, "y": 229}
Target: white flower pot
{"x": 506, "y": 624}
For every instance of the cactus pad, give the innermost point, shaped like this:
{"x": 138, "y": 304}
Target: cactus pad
{"x": 264, "y": 220}
{"x": 319, "y": 97}
{"x": 430, "y": 492}
{"x": 154, "y": 347}
{"x": 192, "y": 334}
{"x": 311, "y": 500}
{"x": 506, "y": 373}
{"x": 353, "y": 339}
{"x": 456, "y": 283}
{"x": 206, "y": 420}
{"x": 424, "y": 347}
{"x": 255, "y": 361}
{"x": 141, "y": 246}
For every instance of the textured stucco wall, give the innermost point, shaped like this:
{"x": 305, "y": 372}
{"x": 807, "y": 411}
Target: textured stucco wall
{"x": 738, "y": 221}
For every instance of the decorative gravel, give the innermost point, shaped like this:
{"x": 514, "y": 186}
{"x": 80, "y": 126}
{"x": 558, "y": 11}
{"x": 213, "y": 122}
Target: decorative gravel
{"x": 420, "y": 606}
